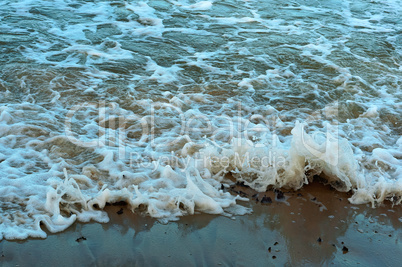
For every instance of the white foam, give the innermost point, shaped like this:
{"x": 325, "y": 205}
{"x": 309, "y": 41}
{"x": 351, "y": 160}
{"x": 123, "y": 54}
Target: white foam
{"x": 202, "y": 5}
{"x": 162, "y": 74}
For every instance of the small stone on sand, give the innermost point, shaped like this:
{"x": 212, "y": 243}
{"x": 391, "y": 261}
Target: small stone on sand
{"x": 80, "y": 239}
{"x": 266, "y": 200}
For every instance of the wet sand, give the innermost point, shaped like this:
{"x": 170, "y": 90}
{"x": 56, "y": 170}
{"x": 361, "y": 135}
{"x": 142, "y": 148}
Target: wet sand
{"x": 315, "y": 225}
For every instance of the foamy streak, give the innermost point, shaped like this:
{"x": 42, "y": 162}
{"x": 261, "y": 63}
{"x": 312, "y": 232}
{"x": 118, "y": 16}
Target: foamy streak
{"x": 192, "y": 182}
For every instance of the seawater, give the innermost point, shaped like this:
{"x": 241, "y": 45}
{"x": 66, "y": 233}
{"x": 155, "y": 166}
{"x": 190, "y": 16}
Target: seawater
{"x": 160, "y": 103}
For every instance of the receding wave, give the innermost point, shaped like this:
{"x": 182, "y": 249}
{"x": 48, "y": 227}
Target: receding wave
{"x": 164, "y": 105}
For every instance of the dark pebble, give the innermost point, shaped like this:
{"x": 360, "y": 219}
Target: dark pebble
{"x": 276, "y": 243}
{"x": 222, "y": 187}
{"x": 266, "y": 200}
{"x": 319, "y": 240}
{"x": 120, "y": 211}
{"x": 80, "y": 239}
{"x": 274, "y": 257}
{"x": 279, "y": 195}
{"x": 345, "y": 250}
{"x": 314, "y": 199}
{"x": 269, "y": 249}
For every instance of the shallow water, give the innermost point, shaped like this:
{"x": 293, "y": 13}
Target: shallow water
{"x": 155, "y": 102}
{"x": 279, "y": 233}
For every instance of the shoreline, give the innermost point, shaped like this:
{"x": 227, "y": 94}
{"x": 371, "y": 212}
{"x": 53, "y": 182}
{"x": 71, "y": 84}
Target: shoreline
{"x": 314, "y": 225}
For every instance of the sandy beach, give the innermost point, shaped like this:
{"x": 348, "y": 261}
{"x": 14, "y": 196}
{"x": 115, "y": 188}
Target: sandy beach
{"x": 180, "y": 107}
{"x": 313, "y": 226}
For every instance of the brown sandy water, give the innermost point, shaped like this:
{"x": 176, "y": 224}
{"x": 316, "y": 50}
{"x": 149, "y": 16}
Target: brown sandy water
{"x": 284, "y": 232}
